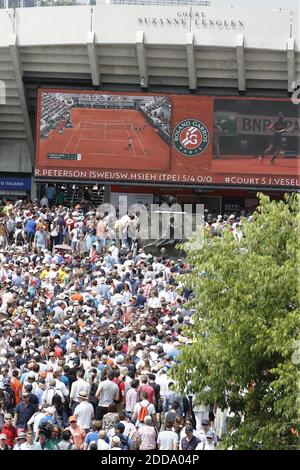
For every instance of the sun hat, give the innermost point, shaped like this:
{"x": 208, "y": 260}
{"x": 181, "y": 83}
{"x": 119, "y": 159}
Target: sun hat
{"x": 116, "y": 441}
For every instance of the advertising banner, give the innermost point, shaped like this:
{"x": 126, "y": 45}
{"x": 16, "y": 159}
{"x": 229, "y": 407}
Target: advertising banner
{"x": 15, "y": 184}
{"x": 167, "y": 139}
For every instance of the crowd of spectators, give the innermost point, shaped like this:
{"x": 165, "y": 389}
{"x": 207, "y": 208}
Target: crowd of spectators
{"x": 88, "y": 337}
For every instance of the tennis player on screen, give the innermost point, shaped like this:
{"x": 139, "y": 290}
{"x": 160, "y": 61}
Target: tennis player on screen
{"x": 129, "y": 146}
{"x": 61, "y": 126}
{"x": 278, "y": 128}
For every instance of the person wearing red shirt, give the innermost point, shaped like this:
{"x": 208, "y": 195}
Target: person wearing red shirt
{"x": 9, "y": 430}
{"x": 144, "y": 387}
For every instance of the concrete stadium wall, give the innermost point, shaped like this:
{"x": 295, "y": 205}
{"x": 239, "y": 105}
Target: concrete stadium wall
{"x": 15, "y": 157}
{"x": 115, "y": 24}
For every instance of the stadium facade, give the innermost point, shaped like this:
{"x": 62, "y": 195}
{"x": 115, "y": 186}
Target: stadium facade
{"x": 198, "y": 50}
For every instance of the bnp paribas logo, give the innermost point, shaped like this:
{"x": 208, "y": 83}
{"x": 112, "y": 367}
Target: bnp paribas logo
{"x": 191, "y": 137}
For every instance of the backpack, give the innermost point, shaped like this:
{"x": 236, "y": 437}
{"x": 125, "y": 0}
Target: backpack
{"x": 19, "y": 237}
{"x": 143, "y": 413}
{"x": 9, "y": 399}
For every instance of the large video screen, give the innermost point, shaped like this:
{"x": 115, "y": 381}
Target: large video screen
{"x": 257, "y": 137}
{"x": 104, "y": 131}
{"x": 172, "y": 139}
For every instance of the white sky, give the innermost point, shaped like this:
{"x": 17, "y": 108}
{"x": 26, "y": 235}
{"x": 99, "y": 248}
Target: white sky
{"x": 258, "y": 4}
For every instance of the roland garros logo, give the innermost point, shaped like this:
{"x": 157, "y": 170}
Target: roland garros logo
{"x": 191, "y": 137}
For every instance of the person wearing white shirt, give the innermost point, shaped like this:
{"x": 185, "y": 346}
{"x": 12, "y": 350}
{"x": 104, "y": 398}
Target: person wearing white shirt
{"x": 48, "y": 394}
{"x": 163, "y": 380}
{"x": 114, "y": 250}
{"x": 30, "y": 444}
{"x": 84, "y": 412}
{"x": 117, "y": 297}
{"x": 44, "y": 202}
{"x": 61, "y": 387}
{"x": 127, "y": 294}
{"x": 102, "y": 445}
{"x": 79, "y": 385}
{"x": 207, "y": 430}
{"x": 168, "y": 439}
{"x": 208, "y": 443}
{"x": 35, "y": 421}
{"x": 144, "y": 403}
{"x": 157, "y": 266}
{"x": 166, "y": 294}
{"x": 153, "y": 302}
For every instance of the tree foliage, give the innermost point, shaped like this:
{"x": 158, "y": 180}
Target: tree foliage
{"x": 246, "y": 329}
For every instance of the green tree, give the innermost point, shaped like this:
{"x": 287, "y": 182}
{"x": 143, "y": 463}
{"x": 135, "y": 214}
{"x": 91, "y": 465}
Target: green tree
{"x": 246, "y": 331}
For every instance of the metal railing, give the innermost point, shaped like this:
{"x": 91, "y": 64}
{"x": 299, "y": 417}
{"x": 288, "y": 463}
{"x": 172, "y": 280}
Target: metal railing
{"x": 202, "y": 3}
{"x": 46, "y": 3}
{"x": 52, "y": 3}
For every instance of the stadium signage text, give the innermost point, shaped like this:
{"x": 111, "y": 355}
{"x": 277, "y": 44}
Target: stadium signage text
{"x": 258, "y": 125}
{"x": 197, "y": 19}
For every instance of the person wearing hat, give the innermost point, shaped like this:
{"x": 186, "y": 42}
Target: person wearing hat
{"x": 19, "y": 440}
{"x": 84, "y": 412}
{"x": 207, "y": 431}
{"x": 189, "y": 441}
{"x": 119, "y": 431}
{"x": 208, "y": 443}
{"x": 30, "y": 444}
{"x": 3, "y": 442}
{"x": 115, "y": 443}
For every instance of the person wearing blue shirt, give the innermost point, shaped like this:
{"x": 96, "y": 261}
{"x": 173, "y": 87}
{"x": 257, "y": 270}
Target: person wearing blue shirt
{"x": 90, "y": 239}
{"x": 141, "y": 299}
{"x": 17, "y": 279}
{"x": 103, "y": 289}
{"x": 50, "y": 192}
{"x": 24, "y": 411}
{"x": 94, "y": 434}
{"x": 41, "y": 239}
{"x": 30, "y": 229}
{"x": 109, "y": 260}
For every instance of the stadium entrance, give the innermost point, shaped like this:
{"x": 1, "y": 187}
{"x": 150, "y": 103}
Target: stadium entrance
{"x": 72, "y": 194}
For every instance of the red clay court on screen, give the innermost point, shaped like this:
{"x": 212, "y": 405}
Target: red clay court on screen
{"x": 100, "y": 138}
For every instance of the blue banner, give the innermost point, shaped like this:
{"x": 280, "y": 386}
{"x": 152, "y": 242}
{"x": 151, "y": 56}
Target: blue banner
{"x": 15, "y": 184}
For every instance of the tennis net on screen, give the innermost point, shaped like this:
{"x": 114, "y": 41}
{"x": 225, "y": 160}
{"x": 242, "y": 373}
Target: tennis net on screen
{"x": 103, "y": 125}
